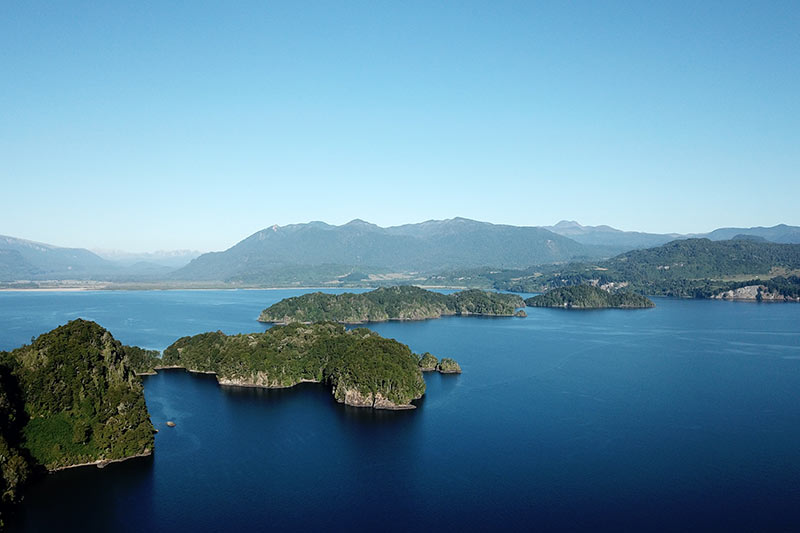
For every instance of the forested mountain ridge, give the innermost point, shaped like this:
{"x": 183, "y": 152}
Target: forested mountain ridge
{"x": 686, "y": 268}
{"x": 782, "y": 233}
{"x": 429, "y": 246}
{"x": 437, "y": 252}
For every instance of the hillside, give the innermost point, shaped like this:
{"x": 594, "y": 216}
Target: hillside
{"x": 686, "y": 268}
{"x": 362, "y": 368}
{"x": 70, "y": 397}
{"x": 82, "y": 400}
{"x": 323, "y": 252}
{"x": 781, "y": 233}
{"x": 390, "y": 303}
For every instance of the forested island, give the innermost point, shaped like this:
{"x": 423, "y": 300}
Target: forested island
{"x": 362, "y": 368}
{"x": 429, "y": 363}
{"x": 589, "y": 297}
{"x": 71, "y": 397}
{"x": 390, "y": 303}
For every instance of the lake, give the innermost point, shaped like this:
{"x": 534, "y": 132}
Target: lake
{"x": 685, "y": 416}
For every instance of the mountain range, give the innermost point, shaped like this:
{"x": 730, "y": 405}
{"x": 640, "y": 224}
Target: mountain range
{"x": 317, "y": 252}
{"x": 360, "y": 246}
{"x": 629, "y": 240}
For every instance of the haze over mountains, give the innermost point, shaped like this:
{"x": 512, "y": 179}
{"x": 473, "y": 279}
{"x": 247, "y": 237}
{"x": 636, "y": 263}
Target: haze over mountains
{"x": 608, "y": 236}
{"x": 21, "y": 259}
{"x": 167, "y": 258}
{"x": 358, "y": 250}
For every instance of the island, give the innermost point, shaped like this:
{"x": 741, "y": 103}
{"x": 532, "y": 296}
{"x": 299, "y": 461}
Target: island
{"x": 390, "y": 303}
{"x": 362, "y": 368}
{"x": 589, "y": 297}
{"x": 448, "y": 366}
{"x": 428, "y": 362}
{"x": 69, "y": 398}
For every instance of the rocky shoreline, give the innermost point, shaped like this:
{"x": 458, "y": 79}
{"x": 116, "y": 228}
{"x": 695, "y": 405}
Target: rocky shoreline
{"x": 349, "y": 397}
{"x": 754, "y": 293}
{"x": 102, "y": 463}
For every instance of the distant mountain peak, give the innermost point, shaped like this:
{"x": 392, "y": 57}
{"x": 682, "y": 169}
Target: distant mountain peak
{"x": 564, "y": 224}
{"x": 359, "y": 222}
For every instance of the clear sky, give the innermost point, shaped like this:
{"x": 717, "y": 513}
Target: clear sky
{"x": 161, "y": 125}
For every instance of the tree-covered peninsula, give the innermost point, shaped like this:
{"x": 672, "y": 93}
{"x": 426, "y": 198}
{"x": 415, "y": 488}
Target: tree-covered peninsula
{"x": 362, "y": 368}
{"x": 589, "y": 297}
{"x": 389, "y": 303}
{"x": 687, "y": 268}
{"x": 70, "y": 397}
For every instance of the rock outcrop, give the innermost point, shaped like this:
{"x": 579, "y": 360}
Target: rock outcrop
{"x": 754, "y": 293}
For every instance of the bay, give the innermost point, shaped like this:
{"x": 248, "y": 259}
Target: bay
{"x": 681, "y": 416}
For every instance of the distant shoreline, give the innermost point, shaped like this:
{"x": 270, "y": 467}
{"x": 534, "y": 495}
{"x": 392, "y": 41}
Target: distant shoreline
{"x": 38, "y": 289}
{"x": 131, "y": 289}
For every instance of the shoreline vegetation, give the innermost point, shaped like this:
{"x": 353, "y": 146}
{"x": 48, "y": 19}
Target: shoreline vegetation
{"x": 405, "y": 302}
{"x": 102, "y": 463}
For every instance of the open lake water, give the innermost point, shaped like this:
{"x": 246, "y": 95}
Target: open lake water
{"x": 682, "y": 416}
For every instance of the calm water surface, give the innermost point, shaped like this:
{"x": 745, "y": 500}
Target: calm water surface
{"x": 682, "y": 416}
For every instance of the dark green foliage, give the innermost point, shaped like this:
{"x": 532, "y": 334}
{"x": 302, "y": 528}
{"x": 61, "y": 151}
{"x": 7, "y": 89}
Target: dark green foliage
{"x": 142, "y": 361}
{"x": 286, "y": 355}
{"x": 374, "y": 366}
{"x": 428, "y": 362}
{"x": 690, "y": 268}
{"x": 82, "y": 399}
{"x": 14, "y": 468}
{"x": 449, "y": 366}
{"x": 588, "y": 297}
{"x": 389, "y": 303}
{"x": 477, "y": 302}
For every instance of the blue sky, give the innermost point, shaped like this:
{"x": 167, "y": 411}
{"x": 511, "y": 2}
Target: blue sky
{"x": 162, "y": 125}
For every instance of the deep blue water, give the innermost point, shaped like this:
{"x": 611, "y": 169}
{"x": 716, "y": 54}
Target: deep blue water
{"x": 685, "y": 416}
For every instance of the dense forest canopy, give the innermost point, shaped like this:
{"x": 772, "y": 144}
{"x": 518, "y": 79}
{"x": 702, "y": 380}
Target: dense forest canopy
{"x": 389, "y": 303}
{"x": 588, "y": 297}
{"x": 70, "y": 397}
{"x": 693, "y": 268}
{"x": 351, "y": 361}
